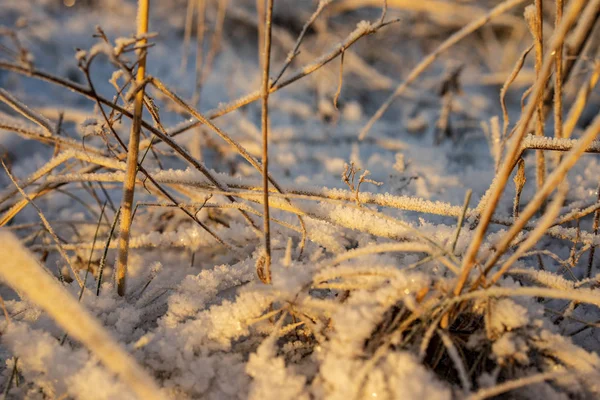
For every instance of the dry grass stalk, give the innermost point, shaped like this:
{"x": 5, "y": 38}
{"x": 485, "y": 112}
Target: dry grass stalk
{"x": 514, "y": 149}
{"x": 519, "y": 180}
{"x": 445, "y": 12}
{"x": 132, "y": 155}
{"x": 25, "y": 111}
{"x": 461, "y": 219}
{"x": 534, "y": 19}
{"x": 576, "y": 44}
{"x": 266, "y": 64}
{"x": 23, "y": 273}
{"x": 558, "y": 77}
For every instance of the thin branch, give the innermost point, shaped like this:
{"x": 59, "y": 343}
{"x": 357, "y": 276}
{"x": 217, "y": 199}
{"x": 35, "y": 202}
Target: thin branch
{"x": 265, "y": 275}
{"x": 132, "y": 154}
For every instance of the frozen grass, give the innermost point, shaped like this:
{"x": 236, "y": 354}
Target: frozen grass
{"x": 252, "y": 269}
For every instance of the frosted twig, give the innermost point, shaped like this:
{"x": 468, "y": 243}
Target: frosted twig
{"x": 297, "y": 75}
{"x": 376, "y": 249}
{"x": 29, "y": 132}
{"x": 558, "y": 78}
{"x": 60, "y": 159}
{"x": 132, "y": 153}
{"x": 265, "y": 273}
{"x": 27, "y": 112}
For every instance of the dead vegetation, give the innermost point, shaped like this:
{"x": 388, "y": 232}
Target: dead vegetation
{"x": 449, "y": 298}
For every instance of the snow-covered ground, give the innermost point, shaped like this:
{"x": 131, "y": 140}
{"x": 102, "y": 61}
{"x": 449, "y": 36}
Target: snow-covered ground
{"x": 355, "y": 311}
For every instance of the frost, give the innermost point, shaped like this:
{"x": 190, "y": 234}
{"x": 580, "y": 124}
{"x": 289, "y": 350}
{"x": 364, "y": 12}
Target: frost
{"x": 57, "y": 370}
{"x": 80, "y": 55}
{"x": 507, "y": 315}
{"x": 511, "y": 347}
{"x": 272, "y": 379}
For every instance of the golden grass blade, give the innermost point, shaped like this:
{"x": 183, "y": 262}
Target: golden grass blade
{"x": 22, "y": 272}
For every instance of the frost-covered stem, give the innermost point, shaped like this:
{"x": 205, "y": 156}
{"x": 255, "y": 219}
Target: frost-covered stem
{"x": 25, "y": 111}
{"x": 265, "y": 140}
{"x": 514, "y": 149}
{"x": 558, "y": 77}
{"x": 427, "y": 61}
{"x": 132, "y": 154}
{"x": 519, "y": 180}
{"x": 535, "y": 21}
{"x": 22, "y": 272}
